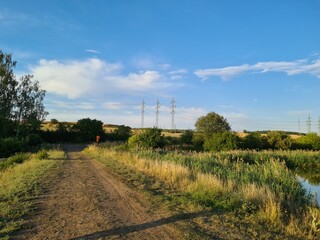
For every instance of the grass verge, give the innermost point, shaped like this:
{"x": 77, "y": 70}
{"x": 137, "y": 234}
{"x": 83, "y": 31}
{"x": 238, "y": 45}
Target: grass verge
{"x": 19, "y": 184}
{"x": 263, "y": 198}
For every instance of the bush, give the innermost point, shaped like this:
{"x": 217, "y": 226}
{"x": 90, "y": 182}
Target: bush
{"x": 310, "y": 141}
{"x": 42, "y": 154}
{"x": 221, "y": 142}
{"x": 279, "y": 140}
{"x": 135, "y": 141}
{"x": 87, "y": 129}
{"x": 122, "y": 133}
{"x": 33, "y": 140}
{"x": 254, "y": 140}
{"x": 186, "y": 137}
{"x": 150, "y": 138}
{"x": 15, "y": 159}
{"x": 10, "y": 146}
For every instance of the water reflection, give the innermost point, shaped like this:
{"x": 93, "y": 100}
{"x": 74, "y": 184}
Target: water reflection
{"x": 311, "y": 182}
{"x": 312, "y": 177}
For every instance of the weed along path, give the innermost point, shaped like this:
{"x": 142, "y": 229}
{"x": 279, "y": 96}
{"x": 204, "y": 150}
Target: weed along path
{"x": 84, "y": 200}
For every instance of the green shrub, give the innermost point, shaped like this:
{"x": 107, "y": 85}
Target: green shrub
{"x": 42, "y": 154}
{"x": 221, "y": 142}
{"x": 150, "y": 138}
{"x": 33, "y": 140}
{"x": 310, "y": 141}
{"x": 254, "y": 140}
{"x": 15, "y": 159}
{"x": 186, "y": 137}
{"x": 279, "y": 140}
{"x": 10, "y": 146}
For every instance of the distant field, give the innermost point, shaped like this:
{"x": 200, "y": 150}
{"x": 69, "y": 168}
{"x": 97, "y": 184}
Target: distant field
{"x": 108, "y": 128}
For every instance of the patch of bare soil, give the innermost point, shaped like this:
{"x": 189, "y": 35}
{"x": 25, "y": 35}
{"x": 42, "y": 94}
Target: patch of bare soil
{"x": 84, "y": 200}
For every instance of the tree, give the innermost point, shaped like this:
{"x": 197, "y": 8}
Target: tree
{"x": 54, "y": 121}
{"x": 208, "y": 125}
{"x": 8, "y": 93}
{"x": 21, "y": 101}
{"x": 29, "y": 111}
{"x": 87, "y": 129}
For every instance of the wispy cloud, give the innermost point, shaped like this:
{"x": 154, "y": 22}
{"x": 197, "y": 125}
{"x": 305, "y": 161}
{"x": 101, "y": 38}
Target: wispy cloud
{"x": 178, "y": 74}
{"x": 92, "y": 76}
{"x": 301, "y": 66}
{"x": 225, "y": 73}
{"x": 9, "y": 18}
{"x": 92, "y": 51}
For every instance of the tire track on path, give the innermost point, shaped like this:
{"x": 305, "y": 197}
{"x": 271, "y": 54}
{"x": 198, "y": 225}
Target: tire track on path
{"x": 84, "y": 200}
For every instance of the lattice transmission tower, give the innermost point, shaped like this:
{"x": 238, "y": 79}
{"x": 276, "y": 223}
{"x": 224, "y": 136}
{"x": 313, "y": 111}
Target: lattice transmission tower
{"x": 309, "y": 124}
{"x": 142, "y": 113}
{"x": 319, "y": 126}
{"x": 157, "y": 112}
{"x": 173, "y": 105}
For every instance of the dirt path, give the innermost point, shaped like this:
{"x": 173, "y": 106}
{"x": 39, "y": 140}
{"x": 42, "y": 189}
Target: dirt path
{"x": 86, "y": 201}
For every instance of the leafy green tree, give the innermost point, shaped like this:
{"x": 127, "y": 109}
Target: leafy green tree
{"x": 210, "y": 124}
{"x": 207, "y": 126}
{"x": 8, "y": 92}
{"x": 21, "y": 101}
{"x": 29, "y": 110}
{"x": 87, "y": 129}
{"x": 221, "y": 141}
{"x": 54, "y": 121}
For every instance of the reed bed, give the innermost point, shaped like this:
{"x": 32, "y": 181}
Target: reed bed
{"x": 247, "y": 183}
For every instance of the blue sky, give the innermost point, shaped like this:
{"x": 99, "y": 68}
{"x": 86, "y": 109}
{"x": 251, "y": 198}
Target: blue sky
{"x": 255, "y": 62}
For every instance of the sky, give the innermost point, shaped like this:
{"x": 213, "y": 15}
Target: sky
{"x": 255, "y": 62}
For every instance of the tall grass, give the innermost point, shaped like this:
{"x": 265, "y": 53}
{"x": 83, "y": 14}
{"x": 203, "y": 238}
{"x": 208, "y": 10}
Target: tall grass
{"x": 18, "y": 185}
{"x": 243, "y": 182}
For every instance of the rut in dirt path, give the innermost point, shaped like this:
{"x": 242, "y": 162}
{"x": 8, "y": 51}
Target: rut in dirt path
{"x": 87, "y": 201}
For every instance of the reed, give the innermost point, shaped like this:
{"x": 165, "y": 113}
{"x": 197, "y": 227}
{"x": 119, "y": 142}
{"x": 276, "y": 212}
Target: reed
{"x": 243, "y": 182}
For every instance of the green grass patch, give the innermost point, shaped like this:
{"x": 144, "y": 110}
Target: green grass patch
{"x": 19, "y": 184}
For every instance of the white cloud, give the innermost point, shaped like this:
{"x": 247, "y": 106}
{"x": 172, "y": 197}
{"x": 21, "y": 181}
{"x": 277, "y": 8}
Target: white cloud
{"x": 225, "y": 73}
{"x": 94, "y": 76}
{"x": 92, "y": 51}
{"x": 178, "y": 74}
{"x": 149, "y": 63}
{"x": 291, "y": 68}
{"x": 72, "y": 78}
